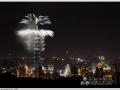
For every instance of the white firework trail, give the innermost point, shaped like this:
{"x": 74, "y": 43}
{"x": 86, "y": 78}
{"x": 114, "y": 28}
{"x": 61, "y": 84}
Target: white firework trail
{"x": 31, "y": 31}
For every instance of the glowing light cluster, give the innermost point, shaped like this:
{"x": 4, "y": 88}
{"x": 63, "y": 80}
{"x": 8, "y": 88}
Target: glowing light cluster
{"x": 31, "y": 31}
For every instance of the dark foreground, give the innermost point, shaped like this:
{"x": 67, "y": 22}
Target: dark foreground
{"x": 10, "y": 81}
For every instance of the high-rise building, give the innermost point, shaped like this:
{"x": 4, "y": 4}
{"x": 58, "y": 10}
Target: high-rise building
{"x": 102, "y": 59}
{"x": 35, "y": 41}
{"x": 67, "y": 70}
{"x": 37, "y": 56}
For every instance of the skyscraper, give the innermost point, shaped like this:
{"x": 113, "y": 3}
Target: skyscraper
{"x": 37, "y": 56}
{"x": 34, "y": 37}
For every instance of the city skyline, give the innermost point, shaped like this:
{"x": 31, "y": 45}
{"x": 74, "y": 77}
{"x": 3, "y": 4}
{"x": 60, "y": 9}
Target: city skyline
{"x": 84, "y": 50}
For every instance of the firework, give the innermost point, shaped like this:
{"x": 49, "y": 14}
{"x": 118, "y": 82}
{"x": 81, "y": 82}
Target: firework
{"x": 31, "y": 31}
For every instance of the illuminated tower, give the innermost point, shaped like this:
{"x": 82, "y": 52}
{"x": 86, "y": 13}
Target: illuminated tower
{"x": 34, "y": 37}
{"x": 38, "y": 47}
{"x": 37, "y": 56}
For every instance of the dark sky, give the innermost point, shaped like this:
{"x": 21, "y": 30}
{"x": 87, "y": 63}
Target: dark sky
{"x": 81, "y": 28}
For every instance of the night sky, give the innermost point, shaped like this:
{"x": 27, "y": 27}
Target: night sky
{"x": 81, "y": 28}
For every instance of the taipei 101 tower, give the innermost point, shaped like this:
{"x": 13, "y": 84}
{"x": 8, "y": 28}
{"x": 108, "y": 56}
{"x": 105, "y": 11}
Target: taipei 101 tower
{"x": 33, "y": 37}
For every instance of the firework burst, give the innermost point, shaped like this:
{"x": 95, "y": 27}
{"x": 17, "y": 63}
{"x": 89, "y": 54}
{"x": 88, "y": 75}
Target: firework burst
{"x": 31, "y": 31}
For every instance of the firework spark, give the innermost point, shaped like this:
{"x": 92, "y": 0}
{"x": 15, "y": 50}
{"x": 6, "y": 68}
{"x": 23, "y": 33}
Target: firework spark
{"x": 31, "y": 30}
